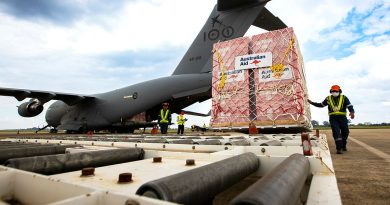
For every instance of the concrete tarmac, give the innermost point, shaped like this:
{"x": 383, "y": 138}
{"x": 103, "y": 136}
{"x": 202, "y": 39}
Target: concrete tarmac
{"x": 363, "y": 172}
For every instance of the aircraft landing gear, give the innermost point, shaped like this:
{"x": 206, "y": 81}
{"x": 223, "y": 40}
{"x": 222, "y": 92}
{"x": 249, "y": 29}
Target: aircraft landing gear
{"x": 42, "y": 128}
{"x": 53, "y": 130}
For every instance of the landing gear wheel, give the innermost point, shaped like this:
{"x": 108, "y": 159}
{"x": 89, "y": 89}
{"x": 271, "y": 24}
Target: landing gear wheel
{"x": 54, "y": 130}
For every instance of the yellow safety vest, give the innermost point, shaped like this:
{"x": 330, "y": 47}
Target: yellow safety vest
{"x": 336, "y": 110}
{"x": 164, "y": 116}
{"x": 180, "y": 120}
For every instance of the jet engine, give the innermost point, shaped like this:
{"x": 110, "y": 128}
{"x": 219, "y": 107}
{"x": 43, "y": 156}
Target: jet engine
{"x": 30, "y": 109}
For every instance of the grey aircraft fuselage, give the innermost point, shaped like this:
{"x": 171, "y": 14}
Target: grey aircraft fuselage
{"x": 99, "y": 112}
{"x": 190, "y": 82}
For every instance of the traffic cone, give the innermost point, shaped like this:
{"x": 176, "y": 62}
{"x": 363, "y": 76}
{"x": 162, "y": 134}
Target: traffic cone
{"x": 306, "y": 144}
{"x": 154, "y": 130}
{"x": 252, "y": 129}
{"x": 89, "y": 133}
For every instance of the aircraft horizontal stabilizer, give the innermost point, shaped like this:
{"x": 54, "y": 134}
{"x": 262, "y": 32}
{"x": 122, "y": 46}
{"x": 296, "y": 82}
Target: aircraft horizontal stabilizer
{"x": 267, "y": 21}
{"x": 224, "y": 5}
{"x": 44, "y": 96}
{"x": 196, "y": 113}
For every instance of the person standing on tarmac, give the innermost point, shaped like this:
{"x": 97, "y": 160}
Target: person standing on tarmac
{"x": 337, "y": 110}
{"x": 164, "y": 118}
{"x": 180, "y": 123}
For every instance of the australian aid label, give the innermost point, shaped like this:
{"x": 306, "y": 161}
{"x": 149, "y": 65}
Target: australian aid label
{"x": 233, "y": 75}
{"x": 258, "y": 60}
{"x": 267, "y": 74}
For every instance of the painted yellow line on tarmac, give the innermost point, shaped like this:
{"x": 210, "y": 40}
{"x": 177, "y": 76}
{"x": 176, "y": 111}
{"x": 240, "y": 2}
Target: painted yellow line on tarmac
{"x": 375, "y": 151}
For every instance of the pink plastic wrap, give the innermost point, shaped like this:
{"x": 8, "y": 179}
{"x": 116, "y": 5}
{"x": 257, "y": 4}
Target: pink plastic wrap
{"x": 278, "y": 97}
{"x": 230, "y": 99}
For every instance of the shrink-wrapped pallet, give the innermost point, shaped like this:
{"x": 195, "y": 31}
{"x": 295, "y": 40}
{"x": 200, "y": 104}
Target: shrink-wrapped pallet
{"x": 280, "y": 89}
{"x": 230, "y": 87}
{"x": 275, "y": 90}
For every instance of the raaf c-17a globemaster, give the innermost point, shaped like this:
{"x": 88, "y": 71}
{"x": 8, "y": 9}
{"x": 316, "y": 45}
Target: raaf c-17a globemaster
{"x": 189, "y": 83}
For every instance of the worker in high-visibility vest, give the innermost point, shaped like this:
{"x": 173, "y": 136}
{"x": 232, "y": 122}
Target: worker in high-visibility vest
{"x": 337, "y": 110}
{"x": 180, "y": 123}
{"x": 164, "y": 118}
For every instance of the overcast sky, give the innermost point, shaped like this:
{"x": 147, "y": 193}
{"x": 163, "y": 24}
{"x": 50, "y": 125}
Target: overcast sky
{"x": 91, "y": 46}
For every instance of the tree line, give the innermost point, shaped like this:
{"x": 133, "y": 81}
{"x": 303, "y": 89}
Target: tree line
{"x": 315, "y": 123}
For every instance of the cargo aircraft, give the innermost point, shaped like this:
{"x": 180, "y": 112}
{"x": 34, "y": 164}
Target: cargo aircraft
{"x": 189, "y": 83}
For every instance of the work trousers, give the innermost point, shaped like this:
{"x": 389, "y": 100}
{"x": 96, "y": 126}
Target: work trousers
{"x": 339, "y": 124}
{"x": 164, "y": 128}
{"x": 180, "y": 129}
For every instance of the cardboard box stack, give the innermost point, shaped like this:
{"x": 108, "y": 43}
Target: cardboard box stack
{"x": 264, "y": 82}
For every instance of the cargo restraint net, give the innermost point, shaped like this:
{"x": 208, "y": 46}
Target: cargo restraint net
{"x": 260, "y": 80}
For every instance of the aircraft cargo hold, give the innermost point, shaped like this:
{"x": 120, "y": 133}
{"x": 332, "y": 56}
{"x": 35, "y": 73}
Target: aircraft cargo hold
{"x": 259, "y": 80}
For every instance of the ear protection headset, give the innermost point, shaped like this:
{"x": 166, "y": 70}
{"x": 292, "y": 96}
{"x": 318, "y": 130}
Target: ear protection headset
{"x": 335, "y": 87}
{"x": 339, "y": 91}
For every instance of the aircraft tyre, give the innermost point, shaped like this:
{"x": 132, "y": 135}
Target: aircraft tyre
{"x": 54, "y": 130}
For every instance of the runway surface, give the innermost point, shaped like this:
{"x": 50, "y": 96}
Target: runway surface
{"x": 363, "y": 172}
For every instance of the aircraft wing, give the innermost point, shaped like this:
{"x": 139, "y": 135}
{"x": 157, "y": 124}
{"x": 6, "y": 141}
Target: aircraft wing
{"x": 44, "y": 96}
{"x": 197, "y": 113}
{"x": 267, "y": 21}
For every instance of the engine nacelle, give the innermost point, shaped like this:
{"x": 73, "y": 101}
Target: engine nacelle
{"x": 30, "y": 109}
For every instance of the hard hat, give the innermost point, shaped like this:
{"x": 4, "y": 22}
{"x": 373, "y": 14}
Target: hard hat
{"x": 165, "y": 104}
{"x": 182, "y": 112}
{"x": 335, "y": 88}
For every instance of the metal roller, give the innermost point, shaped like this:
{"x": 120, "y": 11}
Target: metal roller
{"x": 271, "y": 143}
{"x": 24, "y": 146}
{"x": 10, "y": 143}
{"x": 209, "y": 142}
{"x": 238, "y": 143}
{"x": 237, "y": 138}
{"x": 191, "y": 137}
{"x": 53, "y": 164}
{"x": 172, "y": 138}
{"x": 263, "y": 138}
{"x": 215, "y": 138}
{"x": 282, "y": 185}
{"x": 11, "y": 153}
{"x": 154, "y": 141}
{"x": 200, "y": 185}
{"x": 181, "y": 141}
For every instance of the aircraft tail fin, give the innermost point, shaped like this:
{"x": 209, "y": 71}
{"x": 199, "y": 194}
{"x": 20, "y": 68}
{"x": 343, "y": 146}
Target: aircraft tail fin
{"x": 267, "y": 21}
{"x": 228, "y": 20}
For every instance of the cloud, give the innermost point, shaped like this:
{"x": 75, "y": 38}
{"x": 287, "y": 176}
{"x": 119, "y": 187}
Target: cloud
{"x": 63, "y": 13}
{"x": 89, "y": 46}
{"x": 363, "y": 77}
{"x": 379, "y": 20}
{"x": 58, "y": 11}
